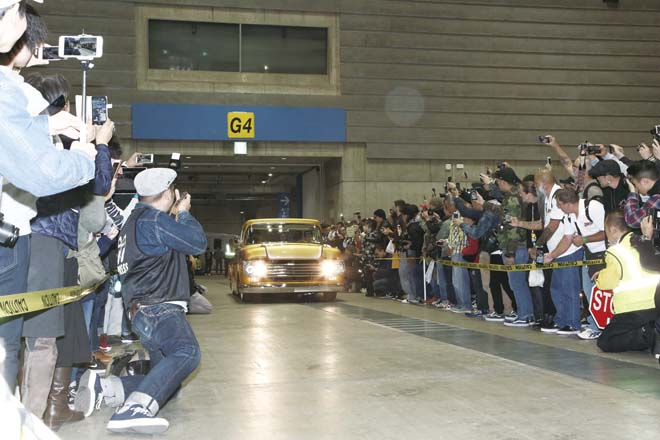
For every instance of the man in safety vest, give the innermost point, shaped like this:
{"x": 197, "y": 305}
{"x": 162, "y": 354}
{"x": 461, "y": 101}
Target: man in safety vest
{"x": 632, "y": 327}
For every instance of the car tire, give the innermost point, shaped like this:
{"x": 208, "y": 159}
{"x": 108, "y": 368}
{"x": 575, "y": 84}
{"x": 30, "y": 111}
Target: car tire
{"x": 330, "y": 296}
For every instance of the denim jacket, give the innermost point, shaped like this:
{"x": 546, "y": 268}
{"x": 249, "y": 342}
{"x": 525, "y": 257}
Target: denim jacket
{"x": 58, "y": 215}
{"x": 158, "y": 232}
{"x": 29, "y": 160}
{"x": 488, "y": 221}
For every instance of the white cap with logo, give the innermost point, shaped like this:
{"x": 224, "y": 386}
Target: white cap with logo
{"x": 154, "y": 181}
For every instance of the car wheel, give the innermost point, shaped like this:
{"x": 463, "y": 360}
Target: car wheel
{"x": 330, "y": 296}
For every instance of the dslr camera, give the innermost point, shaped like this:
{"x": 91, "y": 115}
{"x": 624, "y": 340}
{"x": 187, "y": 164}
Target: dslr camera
{"x": 656, "y": 232}
{"x": 587, "y": 148}
{"x": 655, "y": 132}
{"x": 8, "y": 233}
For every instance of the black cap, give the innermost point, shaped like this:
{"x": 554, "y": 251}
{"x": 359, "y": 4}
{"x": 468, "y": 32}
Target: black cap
{"x": 380, "y": 213}
{"x": 607, "y": 167}
{"x": 508, "y": 175}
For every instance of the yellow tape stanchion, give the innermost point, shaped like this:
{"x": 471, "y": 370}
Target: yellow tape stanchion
{"x": 22, "y": 303}
{"x": 508, "y": 268}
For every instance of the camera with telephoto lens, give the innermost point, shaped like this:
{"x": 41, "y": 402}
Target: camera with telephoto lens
{"x": 8, "y": 233}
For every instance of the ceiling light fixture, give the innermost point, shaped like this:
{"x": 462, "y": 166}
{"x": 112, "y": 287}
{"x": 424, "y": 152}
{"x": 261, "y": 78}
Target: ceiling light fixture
{"x": 240, "y": 148}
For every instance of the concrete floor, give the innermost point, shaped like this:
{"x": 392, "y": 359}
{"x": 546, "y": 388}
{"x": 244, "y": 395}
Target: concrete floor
{"x": 359, "y": 369}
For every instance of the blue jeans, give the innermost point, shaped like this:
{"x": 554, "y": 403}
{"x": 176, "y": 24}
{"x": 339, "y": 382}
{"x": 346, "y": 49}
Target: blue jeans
{"x": 441, "y": 281}
{"x": 520, "y": 285}
{"x": 461, "y": 280}
{"x": 173, "y": 349}
{"x": 565, "y": 292}
{"x": 14, "y": 263}
{"x": 409, "y": 271}
{"x": 587, "y": 285}
{"x": 418, "y": 279}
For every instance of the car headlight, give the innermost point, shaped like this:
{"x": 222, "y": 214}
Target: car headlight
{"x": 256, "y": 269}
{"x": 331, "y": 269}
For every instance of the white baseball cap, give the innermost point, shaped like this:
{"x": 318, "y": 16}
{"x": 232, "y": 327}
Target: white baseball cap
{"x": 154, "y": 181}
{"x": 6, "y": 3}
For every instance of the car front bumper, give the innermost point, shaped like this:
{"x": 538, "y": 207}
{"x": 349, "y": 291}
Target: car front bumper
{"x": 292, "y": 289}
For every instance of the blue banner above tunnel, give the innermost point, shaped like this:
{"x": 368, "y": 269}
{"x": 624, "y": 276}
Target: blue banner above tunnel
{"x": 250, "y": 123}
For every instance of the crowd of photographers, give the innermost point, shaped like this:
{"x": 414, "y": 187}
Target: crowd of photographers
{"x": 59, "y": 223}
{"x": 605, "y": 213}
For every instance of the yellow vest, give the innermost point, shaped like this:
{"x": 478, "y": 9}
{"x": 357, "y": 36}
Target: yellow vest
{"x": 636, "y": 287}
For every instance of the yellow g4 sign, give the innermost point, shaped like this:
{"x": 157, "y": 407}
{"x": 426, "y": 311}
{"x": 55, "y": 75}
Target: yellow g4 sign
{"x": 240, "y": 125}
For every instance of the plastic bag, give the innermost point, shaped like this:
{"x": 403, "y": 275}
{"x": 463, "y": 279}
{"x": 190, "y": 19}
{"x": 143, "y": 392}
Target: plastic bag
{"x": 536, "y": 278}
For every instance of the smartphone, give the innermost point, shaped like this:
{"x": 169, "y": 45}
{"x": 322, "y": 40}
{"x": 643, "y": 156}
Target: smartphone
{"x": 99, "y": 110}
{"x": 116, "y": 168}
{"x": 82, "y": 47}
{"x": 544, "y": 139}
{"x": 49, "y": 53}
{"x": 145, "y": 159}
{"x": 548, "y": 161}
{"x": 456, "y": 215}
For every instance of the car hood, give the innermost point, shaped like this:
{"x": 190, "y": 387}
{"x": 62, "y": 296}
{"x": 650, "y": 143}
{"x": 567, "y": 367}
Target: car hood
{"x": 298, "y": 251}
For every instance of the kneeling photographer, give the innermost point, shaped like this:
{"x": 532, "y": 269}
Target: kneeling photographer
{"x": 152, "y": 266}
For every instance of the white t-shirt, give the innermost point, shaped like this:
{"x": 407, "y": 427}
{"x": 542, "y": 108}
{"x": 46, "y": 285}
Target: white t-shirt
{"x": 581, "y": 225}
{"x": 552, "y": 212}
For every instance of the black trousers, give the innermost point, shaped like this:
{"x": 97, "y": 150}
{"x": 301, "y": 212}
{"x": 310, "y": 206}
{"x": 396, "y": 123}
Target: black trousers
{"x": 500, "y": 281}
{"x": 478, "y": 289}
{"x": 548, "y": 305}
{"x": 629, "y": 331}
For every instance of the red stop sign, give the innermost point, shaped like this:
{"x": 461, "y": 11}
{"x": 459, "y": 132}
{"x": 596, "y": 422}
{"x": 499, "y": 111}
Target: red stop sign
{"x": 601, "y": 307}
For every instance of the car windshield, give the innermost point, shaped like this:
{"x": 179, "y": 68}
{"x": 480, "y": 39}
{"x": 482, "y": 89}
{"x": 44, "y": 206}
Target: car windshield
{"x": 283, "y": 233}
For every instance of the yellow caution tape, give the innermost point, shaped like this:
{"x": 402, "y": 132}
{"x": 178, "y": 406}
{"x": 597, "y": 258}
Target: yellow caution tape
{"x": 22, "y": 303}
{"x": 508, "y": 267}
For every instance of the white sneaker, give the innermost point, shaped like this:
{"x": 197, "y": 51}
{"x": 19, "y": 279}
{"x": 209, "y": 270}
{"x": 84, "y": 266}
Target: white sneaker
{"x": 589, "y": 334}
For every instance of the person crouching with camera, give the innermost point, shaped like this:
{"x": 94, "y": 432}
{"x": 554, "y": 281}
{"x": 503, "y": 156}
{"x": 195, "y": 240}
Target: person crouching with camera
{"x": 154, "y": 276}
{"x": 632, "y": 327}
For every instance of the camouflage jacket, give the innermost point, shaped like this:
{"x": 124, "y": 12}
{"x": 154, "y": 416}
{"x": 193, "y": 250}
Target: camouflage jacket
{"x": 511, "y": 238}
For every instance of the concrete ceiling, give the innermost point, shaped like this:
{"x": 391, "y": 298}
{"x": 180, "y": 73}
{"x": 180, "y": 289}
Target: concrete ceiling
{"x": 216, "y": 178}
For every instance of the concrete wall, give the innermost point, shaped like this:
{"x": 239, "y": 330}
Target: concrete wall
{"x": 426, "y": 83}
{"x": 437, "y": 79}
{"x": 311, "y": 194}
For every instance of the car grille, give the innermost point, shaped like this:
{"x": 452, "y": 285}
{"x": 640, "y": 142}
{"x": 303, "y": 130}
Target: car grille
{"x": 294, "y": 271}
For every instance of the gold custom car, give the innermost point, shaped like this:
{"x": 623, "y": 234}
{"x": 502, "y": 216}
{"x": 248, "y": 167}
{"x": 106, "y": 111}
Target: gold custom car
{"x": 285, "y": 256}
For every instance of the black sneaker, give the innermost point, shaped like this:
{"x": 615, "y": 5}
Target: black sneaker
{"x": 129, "y": 338}
{"x": 549, "y": 328}
{"x": 518, "y": 323}
{"x": 567, "y": 330}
